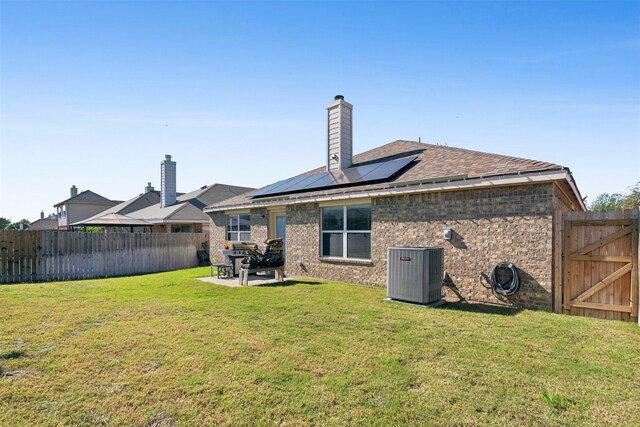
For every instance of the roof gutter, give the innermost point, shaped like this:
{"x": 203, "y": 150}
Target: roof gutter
{"x": 502, "y": 180}
{"x": 574, "y": 187}
{"x": 180, "y": 221}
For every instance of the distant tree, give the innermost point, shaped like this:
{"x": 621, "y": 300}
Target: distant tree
{"x": 632, "y": 200}
{"x": 16, "y": 225}
{"x": 617, "y": 201}
{"x": 607, "y": 202}
{"x": 4, "y": 223}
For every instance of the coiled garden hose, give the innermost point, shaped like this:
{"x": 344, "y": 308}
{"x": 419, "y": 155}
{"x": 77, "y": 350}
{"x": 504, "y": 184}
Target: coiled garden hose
{"x": 506, "y": 287}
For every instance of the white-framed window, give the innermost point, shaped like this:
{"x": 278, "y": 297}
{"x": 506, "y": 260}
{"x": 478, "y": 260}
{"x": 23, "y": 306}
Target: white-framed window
{"x": 346, "y": 232}
{"x": 239, "y": 227}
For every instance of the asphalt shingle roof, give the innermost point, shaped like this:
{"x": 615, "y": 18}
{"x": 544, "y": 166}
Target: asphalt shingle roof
{"x": 44, "y": 224}
{"x": 188, "y": 207}
{"x": 113, "y": 219}
{"x": 141, "y": 201}
{"x": 433, "y": 163}
{"x": 88, "y": 197}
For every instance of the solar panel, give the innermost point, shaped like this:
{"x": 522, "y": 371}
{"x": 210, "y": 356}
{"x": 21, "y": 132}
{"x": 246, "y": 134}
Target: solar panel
{"x": 350, "y": 176}
{"x": 302, "y": 183}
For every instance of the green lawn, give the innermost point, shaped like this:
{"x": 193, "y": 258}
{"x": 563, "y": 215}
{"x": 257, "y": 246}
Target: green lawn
{"x": 166, "y": 349}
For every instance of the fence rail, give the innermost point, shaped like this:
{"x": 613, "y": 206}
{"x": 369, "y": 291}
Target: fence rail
{"x": 43, "y": 256}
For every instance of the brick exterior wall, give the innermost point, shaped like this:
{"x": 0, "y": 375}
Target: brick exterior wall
{"x": 489, "y": 225}
{"x": 217, "y": 236}
{"x": 218, "y": 232}
{"x": 259, "y": 226}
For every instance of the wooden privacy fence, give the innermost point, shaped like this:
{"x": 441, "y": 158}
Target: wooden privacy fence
{"x": 41, "y": 256}
{"x": 600, "y": 264}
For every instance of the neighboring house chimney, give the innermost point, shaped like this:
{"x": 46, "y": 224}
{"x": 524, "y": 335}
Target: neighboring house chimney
{"x": 339, "y": 134}
{"x": 148, "y": 188}
{"x": 41, "y": 215}
{"x": 74, "y": 191}
{"x": 167, "y": 182}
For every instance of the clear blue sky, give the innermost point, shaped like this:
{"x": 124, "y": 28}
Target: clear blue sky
{"x": 96, "y": 93}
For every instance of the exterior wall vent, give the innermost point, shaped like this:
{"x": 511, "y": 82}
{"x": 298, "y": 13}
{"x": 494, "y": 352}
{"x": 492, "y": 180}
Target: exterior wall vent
{"x": 415, "y": 274}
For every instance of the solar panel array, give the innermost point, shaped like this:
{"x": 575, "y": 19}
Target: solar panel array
{"x": 353, "y": 175}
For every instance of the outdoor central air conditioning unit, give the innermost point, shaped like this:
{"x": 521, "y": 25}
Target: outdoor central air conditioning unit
{"x": 415, "y": 274}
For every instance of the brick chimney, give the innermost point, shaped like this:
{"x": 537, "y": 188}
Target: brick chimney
{"x": 74, "y": 191}
{"x": 167, "y": 182}
{"x": 339, "y": 134}
{"x": 148, "y": 188}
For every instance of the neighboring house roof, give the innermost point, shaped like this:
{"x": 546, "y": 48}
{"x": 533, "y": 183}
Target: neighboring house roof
{"x": 188, "y": 207}
{"x": 157, "y": 214}
{"x": 113, "y": 219}
{"x": 210, "y": 194}
{"x": 138, "y": 202}
{"x": 435, "y": 166}
{"x": 50, "y": 223}
{"x": 88, "y": 197}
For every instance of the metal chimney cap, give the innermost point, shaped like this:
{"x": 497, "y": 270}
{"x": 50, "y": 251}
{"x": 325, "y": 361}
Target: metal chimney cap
{"x": 167, "y": 156}
{"x": 338, "y": 97}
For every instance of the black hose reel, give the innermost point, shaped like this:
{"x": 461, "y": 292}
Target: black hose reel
{"x": 504, "y": 279}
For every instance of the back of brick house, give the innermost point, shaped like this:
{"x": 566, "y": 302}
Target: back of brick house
{"x": 499, "y": 208}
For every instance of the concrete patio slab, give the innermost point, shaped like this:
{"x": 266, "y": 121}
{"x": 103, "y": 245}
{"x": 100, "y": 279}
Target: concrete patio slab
{"x": 233, "y": 282}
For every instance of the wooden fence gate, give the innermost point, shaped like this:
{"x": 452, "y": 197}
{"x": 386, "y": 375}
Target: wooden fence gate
{"x": 600, "y": 264}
